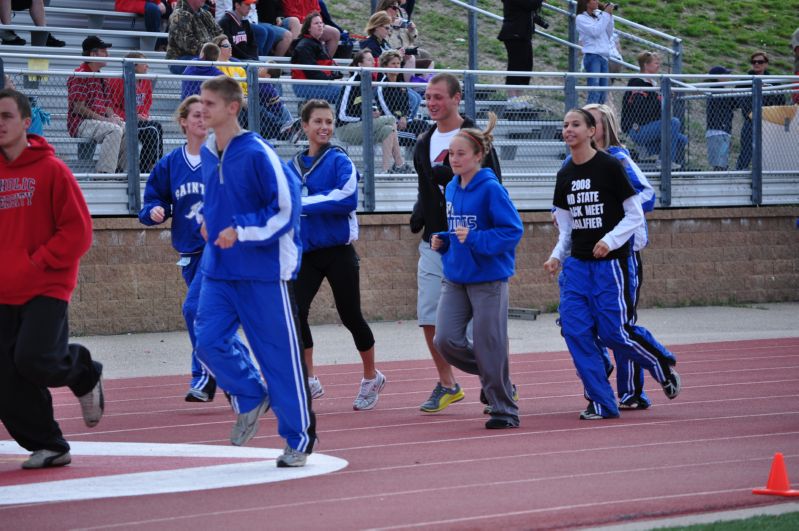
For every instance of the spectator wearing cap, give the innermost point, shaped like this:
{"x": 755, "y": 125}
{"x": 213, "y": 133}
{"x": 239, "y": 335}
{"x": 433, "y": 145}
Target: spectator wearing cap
{"x": 36, "y": 10}
{"x": 190, "y": 26}
{"x": 759, "y": 61}
{"x": 269, "y": 38}
{"x": 91, "y": 113}
{"x": 719, "y": 111}
{"x": 239, "y": 30}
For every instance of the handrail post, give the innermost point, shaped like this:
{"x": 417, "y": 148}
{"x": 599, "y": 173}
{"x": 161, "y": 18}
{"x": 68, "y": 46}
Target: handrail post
{"x": 573, "y": 36}
{"x": 253, "y": 101}
{"x": 131, "y": 136}
{"x": 665, "y": 143}
{"x": 2, "y": 74}
{"x": 571, "y": 93}
{"x": 757, "y": 141}
{"x": 367, "y": 97}
{"x": 470, "y": 95}
{"x": 473, "y": 40}
{"x": 676, "y": 63}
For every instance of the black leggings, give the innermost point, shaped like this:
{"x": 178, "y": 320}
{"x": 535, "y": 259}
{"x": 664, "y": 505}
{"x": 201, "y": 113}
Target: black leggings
{"x": 520, "y": 58}
{"x": 340, "y": 265}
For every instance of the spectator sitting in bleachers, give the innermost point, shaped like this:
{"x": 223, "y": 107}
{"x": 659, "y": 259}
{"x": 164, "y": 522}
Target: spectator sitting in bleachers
{"x": 404, "y": 35}
{"x": 209, "y": 52}
{"x": 91, "y": 114}
{"x": 273, "y": 114}
{"x": 36, "y": 10}
{"x": 190, "y": 26}
{"x": 239, "y": 31}
{"x": 309, "y": 50}
{"x": 349, "y": 120}
{"x": 640, "y": 113}
{"x": 150, "y": 132}
{"x": 153, "y": 11}
{"x": 271, "y": 39}
{"x": 271, "y": 12}
{"x": 397, "y": 101}
{"x": 301, "y": 10}
{"x": 39, "y": 117}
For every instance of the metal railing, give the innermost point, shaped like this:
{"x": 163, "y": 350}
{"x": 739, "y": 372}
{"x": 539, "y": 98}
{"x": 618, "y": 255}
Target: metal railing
{"x": 680, "y": 158}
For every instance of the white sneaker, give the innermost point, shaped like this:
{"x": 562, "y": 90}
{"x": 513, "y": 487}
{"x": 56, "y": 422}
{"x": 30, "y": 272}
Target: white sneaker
{"x": 291, "y": 458}
{"x": 317, "y": 391}
{"x": 47, "y": 459}
{"x": 369, "y": 392}
{"x": 92, "y": 404}
{"x": 246, "y": 425}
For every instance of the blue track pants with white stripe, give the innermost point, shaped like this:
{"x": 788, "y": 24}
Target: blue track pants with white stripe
{"x": 594, "y": 301}
{"x": 268, "y": 314}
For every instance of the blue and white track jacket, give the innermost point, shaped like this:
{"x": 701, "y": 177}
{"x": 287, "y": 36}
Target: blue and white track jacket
{"x": 249, "y": 190}
{"x": 329, "y": 198}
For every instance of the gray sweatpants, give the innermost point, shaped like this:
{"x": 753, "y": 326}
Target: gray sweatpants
{"x": 487, "y": 355}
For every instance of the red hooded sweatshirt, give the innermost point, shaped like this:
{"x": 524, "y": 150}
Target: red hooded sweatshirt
{"x": 45, "y": 226}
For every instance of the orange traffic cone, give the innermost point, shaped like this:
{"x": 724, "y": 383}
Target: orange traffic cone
{"x": 777, "y": 484}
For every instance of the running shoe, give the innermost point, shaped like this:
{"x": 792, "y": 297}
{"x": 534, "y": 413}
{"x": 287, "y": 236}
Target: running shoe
{"x": 203, "y": 394}
{"x": 500, "y": 424}
{"x": 92, "y": 404}
{"x": 317, "y": 391}
{"x": 634, "y": 402}
{"x": 590, "y": 413}
{"x": 47, "y": 459}
{"x": 672, "y": 385}
{"x": 369, "y": 392}
{"x": 442, "y": 397}
{"x": 291, "y": 458}
{"x": 246, "y": 425}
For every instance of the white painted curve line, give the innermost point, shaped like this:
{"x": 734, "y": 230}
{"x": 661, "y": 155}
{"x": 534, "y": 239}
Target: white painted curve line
{"x": 163, "y": 481}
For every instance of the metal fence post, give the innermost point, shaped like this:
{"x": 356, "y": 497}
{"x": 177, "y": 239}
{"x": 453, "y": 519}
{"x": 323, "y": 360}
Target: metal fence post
{"x": 757, "y": 141}
{"x": 472, "y": 36}
{"x": 131, "y": 136}
{"x": 665, "y": 142}
{"x": 2, "y": 74}
{"x": 367, "y": 97}
{"x": 571, "y": 93}
{"x": 253, "y": 101}
{"x": 573, "y": 36}
{"x": 470, "y": 95}
{"x": 676, "y": 63}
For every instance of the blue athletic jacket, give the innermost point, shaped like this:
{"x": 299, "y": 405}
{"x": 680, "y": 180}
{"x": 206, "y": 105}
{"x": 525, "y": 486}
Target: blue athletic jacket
{"x": 177, "y": 186}
{"x": 329, "y": 198}
{"x": 495, "y": 228}
{"x": 249, "y": 190}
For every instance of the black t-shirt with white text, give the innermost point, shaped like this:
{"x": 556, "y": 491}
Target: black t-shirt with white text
{"x": 594, "y": 193}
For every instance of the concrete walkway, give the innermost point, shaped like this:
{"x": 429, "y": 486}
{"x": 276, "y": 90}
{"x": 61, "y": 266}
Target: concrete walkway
{"x": 167, "y": 353}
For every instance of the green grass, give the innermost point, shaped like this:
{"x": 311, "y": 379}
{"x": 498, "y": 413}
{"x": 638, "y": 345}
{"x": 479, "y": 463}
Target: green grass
{"x": 783, "y": 522}
{"x": 713, "y": 31}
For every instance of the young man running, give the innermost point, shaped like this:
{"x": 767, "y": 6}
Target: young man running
{"x": 251, "y": 221}
{"x": 45, "y": 228}
{"x": 431, "y": 160}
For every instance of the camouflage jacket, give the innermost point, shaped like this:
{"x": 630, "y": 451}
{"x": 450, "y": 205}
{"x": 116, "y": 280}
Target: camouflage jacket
{"x": 189, "y": 30}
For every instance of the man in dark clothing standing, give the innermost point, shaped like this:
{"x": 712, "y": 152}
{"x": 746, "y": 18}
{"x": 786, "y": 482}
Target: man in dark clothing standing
{"x": 45, "y": 228}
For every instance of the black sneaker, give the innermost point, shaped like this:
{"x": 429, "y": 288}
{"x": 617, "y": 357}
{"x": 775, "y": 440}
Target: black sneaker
{"x": 590, "y": 413}
{"x": 484, "y": 400}
{"x": 204, "y": 394}
{"x": 634, "y": 402}
{"x": 672, "y": 385}
{"x": 499, "y": 424}
{"x": 16, "y": 40}
{"x": 52, "y": 42}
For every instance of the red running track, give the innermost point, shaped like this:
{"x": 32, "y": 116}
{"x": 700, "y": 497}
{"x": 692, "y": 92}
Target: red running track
{"x": 704, "y": 451}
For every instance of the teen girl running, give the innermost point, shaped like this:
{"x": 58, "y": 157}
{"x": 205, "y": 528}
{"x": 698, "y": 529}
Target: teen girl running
{"x": 478, "y": 257}
{"x": 597, "y": 212}
{"x": 329, "y": 183}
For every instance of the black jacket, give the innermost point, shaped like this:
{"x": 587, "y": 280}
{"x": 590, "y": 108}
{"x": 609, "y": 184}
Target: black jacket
{"x": 430, "y": 210}
{"x": 517, "y": 19}
{"x": 639, "y": 107}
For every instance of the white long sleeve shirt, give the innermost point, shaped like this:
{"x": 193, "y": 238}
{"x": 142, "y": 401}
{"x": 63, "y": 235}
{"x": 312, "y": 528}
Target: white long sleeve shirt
{"x": 595, "y": 33}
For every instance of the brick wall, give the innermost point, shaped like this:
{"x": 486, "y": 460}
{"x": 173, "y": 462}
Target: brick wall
{"x": 129, "y": 281}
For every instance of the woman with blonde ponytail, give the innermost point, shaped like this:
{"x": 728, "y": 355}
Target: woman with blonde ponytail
{"x": 478, "y": 253}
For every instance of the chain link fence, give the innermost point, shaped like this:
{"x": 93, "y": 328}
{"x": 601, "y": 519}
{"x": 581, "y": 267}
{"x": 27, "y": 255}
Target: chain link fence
{"x": 727, "y": 142}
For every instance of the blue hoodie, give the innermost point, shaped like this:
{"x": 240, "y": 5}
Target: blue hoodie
{"x": 495, "y": 228}
{"x": 329, "y": 198}
{"x": 177, "y": 187}
{"x": 189, "y": 87}
{"x": 249, "y": 190}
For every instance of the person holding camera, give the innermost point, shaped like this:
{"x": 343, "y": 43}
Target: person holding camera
{"x": 404, "y": 35}
{"x": 310, "y": 50}
{"x": 517, "y": 35}
{"x": 595, "y": 28}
